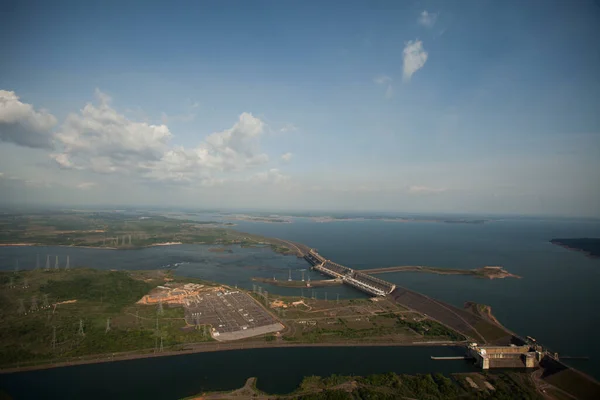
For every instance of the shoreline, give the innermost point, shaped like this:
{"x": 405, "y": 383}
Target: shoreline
{"x": 215, "y": 347}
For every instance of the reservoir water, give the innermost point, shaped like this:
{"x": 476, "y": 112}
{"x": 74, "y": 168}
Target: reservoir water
{"x": 555, "y": 301}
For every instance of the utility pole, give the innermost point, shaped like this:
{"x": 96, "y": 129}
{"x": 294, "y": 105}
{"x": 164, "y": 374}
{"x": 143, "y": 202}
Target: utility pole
{"x": 81, "y": 332}
{"x": 161, "y": 345}
{"x": 53, "y": 338}
{"x": 160, "y": 308}
{"x": 56, "y": 263}
{"x": 47, "y": 262}
{"x": 107, "y": 325}
{"x": 290, "y": 275}
{"x": 67, "y": 266}
{"x": 302, "y": 275}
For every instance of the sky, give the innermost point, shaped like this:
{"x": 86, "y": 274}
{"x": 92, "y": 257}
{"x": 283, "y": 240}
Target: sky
{"x": 467, "y": 106}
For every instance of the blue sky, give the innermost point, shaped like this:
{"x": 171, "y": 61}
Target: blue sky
{"x": 416, "y": 106}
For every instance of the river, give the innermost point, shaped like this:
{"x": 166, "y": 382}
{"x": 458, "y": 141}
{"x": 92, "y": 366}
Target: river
{"x": 278, "y": 371}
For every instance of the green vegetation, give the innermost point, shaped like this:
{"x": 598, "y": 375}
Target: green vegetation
{"x": 88, "y": 300}
{"x": 391, "y": 386}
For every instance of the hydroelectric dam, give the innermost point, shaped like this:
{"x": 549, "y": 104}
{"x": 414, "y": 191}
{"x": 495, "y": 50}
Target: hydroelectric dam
{"x": 363, "y": 282}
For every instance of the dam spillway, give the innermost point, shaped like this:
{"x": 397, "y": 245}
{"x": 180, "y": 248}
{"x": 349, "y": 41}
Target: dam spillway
{"x": 363, "y": 282}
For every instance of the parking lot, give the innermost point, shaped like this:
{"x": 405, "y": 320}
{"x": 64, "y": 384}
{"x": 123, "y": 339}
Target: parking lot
{"x": 231, "y": 314}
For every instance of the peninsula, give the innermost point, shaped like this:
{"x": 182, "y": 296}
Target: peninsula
{"x": 588, "y": 246}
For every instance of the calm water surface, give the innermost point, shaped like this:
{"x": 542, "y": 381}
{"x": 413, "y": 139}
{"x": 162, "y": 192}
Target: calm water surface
{"x": 277, "y": 370}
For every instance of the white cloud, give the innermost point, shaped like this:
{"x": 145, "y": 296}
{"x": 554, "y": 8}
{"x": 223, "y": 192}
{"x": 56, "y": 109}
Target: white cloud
{"x": 273, "y": 176}
{"x": 425, "y": 190}
{"x": 414, "y": 58}
{"x": 21, "y": 124}
{"x": 383, "y": 80}
{"x": 104, "y": 141}
{"x": 288, "y": 128}
{"x": 286, "y": 156}
{"x": 427, "y": 19}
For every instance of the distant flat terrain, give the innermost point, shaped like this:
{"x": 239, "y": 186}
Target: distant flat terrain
{"x": 589, "y": 246}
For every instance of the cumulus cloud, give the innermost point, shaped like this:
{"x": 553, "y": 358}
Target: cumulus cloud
{"x": 286, "y": 156}
{"x": 21, "y": 124}
{"x": 100, "y": 139}
{"x": 414, "y": 58}
{"x": 425, "y": 190}
{"x": 427, "y": 19}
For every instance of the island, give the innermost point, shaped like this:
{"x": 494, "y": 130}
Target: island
{"x": 588, "y": 246}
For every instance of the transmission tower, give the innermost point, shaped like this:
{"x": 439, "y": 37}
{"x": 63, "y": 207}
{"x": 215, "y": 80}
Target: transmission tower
{"x": 34, "y": 306}
{"x": 56, "y": 263}
{"x": 67, "y": 266}
{"x": 107, "y": 325}
{"x": 53, "y": 338}
{"x": 47, "y": 263}
{"x": 37, "y": 262}
{"x": 160, "y": 308}
{"x": 81, "y": 332}
{"x": 21, "y": 309}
